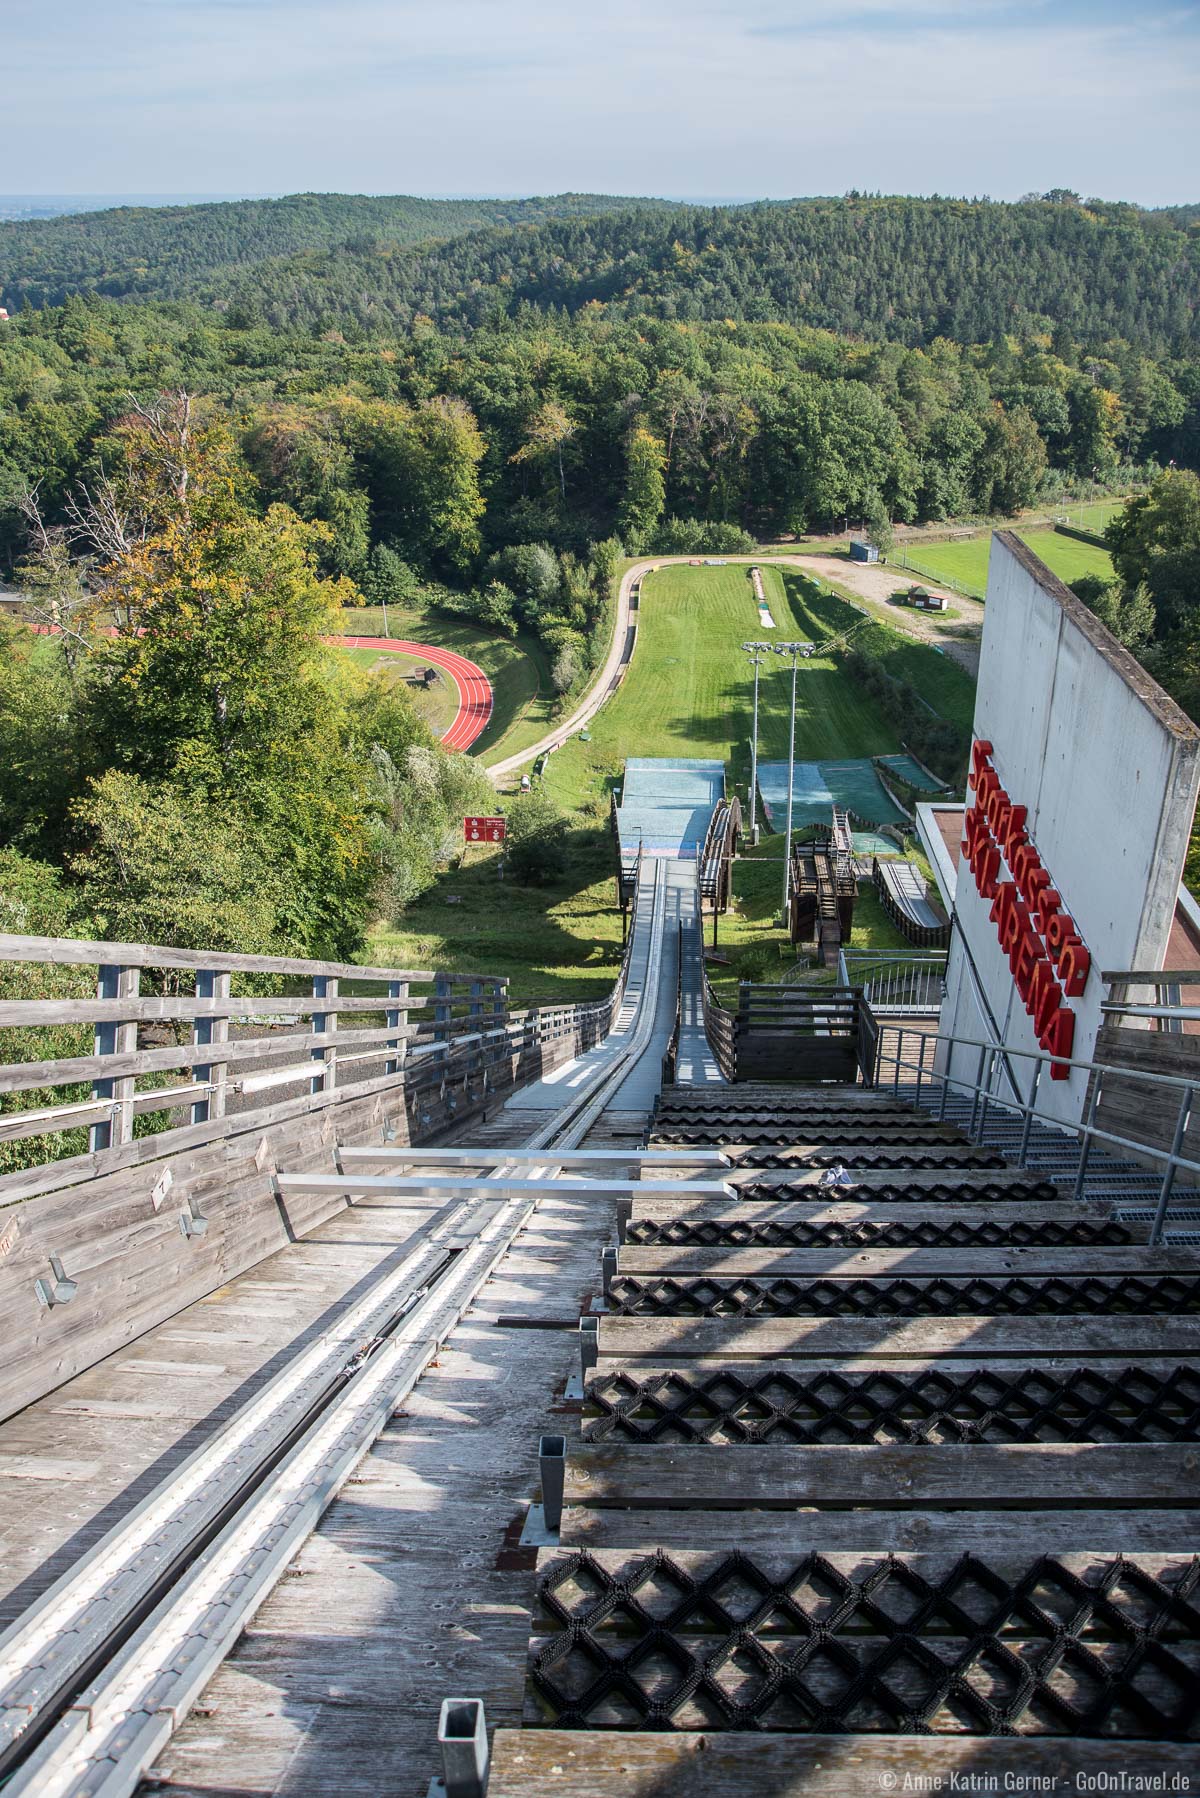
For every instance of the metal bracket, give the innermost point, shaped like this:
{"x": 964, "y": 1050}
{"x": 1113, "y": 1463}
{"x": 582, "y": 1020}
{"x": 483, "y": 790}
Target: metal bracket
{"x": 192, "y": 1222}
{"x": 58, "y": 1290}
{"x": 535, "y": 1531}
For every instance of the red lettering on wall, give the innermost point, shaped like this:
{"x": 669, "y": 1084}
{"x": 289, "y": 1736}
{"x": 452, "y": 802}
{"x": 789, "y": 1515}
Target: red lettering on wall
{"x": 1058, "y": 1038}
{"x": 987, "y": 871}
{"x": 1013, "y": 836}
{"x": 1024, "y": 961}
{"x": 1037, "y": 935}
{"x": 1074, "y": 965}
{"x": 1058, "y": 931}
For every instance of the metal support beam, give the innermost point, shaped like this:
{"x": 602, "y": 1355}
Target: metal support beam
{"x": 552, "y": 1466}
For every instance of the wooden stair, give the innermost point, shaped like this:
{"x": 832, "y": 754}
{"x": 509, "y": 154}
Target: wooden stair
{"x": 888, "y": 1468}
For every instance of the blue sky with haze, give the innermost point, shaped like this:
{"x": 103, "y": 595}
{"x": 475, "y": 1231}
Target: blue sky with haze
{"x": 682, "y": 97}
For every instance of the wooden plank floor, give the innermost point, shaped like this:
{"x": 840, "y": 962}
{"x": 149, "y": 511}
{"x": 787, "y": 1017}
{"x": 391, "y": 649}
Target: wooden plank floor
{"x": 413, "y": 1587}
{"x": 73, "y": 1463}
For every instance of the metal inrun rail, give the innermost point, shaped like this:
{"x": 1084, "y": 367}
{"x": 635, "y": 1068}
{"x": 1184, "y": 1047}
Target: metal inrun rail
{"x": 99, "y": 1672}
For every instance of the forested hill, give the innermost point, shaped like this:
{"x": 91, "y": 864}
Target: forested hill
{"x": 902, "y": 269}
{"x": 170, "y": 252}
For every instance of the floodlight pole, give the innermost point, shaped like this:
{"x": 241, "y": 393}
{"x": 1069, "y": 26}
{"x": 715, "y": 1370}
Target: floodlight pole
{"x": 794, "y": 650}
{"x": 757, "y": 653}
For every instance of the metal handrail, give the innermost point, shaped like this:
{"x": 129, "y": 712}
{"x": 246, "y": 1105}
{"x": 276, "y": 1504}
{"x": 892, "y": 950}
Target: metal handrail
{"x": 1087, "y": 1131}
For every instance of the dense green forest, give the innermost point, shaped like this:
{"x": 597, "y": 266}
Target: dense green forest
{"x": 140, "y": 252}
{"x": 907, "y": 270}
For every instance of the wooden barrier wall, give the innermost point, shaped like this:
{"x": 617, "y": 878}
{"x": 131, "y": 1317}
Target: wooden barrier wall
{"x": 97, "y": 1248}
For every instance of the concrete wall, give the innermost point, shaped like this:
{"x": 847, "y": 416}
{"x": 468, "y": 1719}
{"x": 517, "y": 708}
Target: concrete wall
{"x": 1107, "y": 765}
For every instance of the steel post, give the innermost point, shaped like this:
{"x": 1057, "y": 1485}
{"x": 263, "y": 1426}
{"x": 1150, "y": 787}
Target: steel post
{"x": 1028, "y": 1124}
{"x": 787, "y": 845}
{"x": 462, "y": 1738}
{"x": 552, "y": 1465}
{"x": 1085, "y": 1147}
{"x": 1164, "y": 1195}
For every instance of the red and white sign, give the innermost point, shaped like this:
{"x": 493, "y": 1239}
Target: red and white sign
{"x": 483, "y": 830}
{"x": 1045, "y": 951}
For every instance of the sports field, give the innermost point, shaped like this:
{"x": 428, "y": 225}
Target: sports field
{"x": 965, "y": 562}
{"x": 437, "y": 704}
{"x": 689, "y": 690}
{"x": 522, "y": 708}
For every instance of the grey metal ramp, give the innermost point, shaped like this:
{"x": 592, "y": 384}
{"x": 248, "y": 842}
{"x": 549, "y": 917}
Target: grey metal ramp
{"x": 553, "y": 1089}
{"x": 667, "y": 802}
{"x": 910, "y": 893}
{"x": 694, "y": 1062}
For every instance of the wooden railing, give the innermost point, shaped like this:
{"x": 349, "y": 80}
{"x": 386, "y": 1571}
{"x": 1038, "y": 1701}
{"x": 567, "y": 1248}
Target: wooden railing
{"x": 142, "y": 1142}
{"x": 718, "y": 1028}
{"x": 176, "y": 1048}
{"x": 792, "y": 1033}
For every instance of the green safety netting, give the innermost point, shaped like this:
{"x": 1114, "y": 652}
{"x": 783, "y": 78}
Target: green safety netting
{"x": 818, "y": 787}
{"x": 912, "y": 772}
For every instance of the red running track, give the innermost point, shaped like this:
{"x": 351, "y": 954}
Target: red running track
{"x": 474, "y": 687}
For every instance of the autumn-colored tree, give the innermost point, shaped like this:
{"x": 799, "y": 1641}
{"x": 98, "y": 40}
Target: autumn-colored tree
{"x": 547, "y": 434}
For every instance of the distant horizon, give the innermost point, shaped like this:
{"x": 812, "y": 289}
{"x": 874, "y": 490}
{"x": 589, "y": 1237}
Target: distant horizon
{"x": 65, "y": 202}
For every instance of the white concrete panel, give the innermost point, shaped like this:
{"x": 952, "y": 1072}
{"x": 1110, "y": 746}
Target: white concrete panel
{"x": 1107, "y": 767}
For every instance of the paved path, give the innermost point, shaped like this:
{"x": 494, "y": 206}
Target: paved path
{"x": 474, "y": 687}
{"x": 876, "y": 584}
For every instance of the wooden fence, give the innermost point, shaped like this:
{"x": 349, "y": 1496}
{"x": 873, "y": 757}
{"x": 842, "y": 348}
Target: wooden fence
{"x": 792, "y": 1033}
{"x": 109, "y": 1224}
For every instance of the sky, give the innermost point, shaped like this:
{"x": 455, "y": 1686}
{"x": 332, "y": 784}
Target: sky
{"x": 713, "y": 98}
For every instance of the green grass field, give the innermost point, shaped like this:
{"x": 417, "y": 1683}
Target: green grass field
{"x": 523, "y": 704}
{"x": 689, "y": 690}
{"x": 965, "y": 562}
{"x": 437, "y": 705}
{"x": 556, "y": 943}
{"x": 1090, "y": 515}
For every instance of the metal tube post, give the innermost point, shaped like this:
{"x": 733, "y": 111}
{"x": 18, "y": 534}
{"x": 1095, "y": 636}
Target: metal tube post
{"x": 1028, "y": 1125}
{"x": 787, "y": 847}
{"x": 756, "y": 652}
{"x": 987, "y": 1092}
{"x": 1164, "y": 1195}
{"x": 899, "y": 1057}
{"x": 1085, "y": 1147}
{"x": 552, "y": 1465}
{"x": 978, "y": 1090}
{"x": 462, "y": 1738}
{"x": 589, "y": 1345}
{"x": 754, "y": 761}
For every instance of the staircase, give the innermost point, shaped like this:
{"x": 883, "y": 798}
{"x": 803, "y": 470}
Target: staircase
{"x": 885, "y": 1469}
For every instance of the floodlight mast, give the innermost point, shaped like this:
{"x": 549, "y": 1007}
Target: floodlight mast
{"x": 795, "y": 650}
{"x": 758, "y": 653}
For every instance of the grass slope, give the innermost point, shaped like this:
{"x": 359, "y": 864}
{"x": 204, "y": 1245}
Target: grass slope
{"x": 689, "y": 690}
{"x": 555, "y": 943}
{"x": 688, "y": 693}
{"x": 965, "y": 563}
